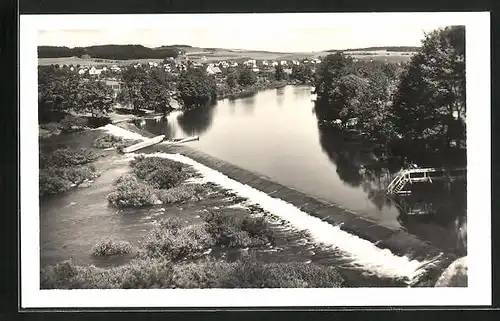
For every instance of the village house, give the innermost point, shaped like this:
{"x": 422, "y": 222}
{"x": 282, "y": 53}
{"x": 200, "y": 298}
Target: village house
{"x": 255, "y": 69}
{"x": 211, "y": 70}
{"x": 283, "y": 62}
{"x": 82, "y": 71}
{"x": 114, "y": 84}
{"x": 234, "y": 64}
{"x": 275, "y": 63}
{"x": 94, "y": 71}
{"x": 295, "y": 62}
{"x": 288, "y": 71}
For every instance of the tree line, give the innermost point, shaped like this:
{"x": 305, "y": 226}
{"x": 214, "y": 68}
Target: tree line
{"x": 418, "y": 107}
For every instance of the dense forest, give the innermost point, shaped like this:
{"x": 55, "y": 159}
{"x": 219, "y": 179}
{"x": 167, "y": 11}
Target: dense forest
{"x": 118, "y": 52}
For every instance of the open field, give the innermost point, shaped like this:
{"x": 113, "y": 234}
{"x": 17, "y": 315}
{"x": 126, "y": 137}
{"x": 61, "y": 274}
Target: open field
{"x": 216, "y": 54}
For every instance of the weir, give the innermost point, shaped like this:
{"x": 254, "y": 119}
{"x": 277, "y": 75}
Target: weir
{"x": 400, "y": 243}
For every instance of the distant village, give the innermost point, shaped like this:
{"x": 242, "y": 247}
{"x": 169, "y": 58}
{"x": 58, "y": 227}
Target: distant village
{"x": 109, "y": 74}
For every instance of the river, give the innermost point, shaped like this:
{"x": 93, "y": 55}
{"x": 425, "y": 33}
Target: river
{"x": 275, "y": 133}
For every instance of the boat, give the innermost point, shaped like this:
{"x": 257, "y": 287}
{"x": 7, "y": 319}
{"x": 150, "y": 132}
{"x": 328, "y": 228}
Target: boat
{"x": 157, "y": 140}
{"x": 144, "y": 144}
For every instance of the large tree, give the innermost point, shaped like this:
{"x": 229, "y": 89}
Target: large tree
{"x": 196, "y": 88}
{"x": 94, "y": 97}
{"x": 429, "y": 103}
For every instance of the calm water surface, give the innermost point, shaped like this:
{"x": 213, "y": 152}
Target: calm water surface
{"x": 275, "y": 133}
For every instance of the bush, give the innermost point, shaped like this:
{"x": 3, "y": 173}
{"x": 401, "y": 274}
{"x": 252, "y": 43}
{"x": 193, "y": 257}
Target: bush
{"x": 249, "y": 273}
{"x": 51, "y": 185}
{"x": 107, "y": 141}
{"x": 252, "y": 274}
{"x": 178, "y": 242}
{"x": 138, "y": 274}
{"x": 180, "y": 194}
{"x": 234, "y": 231}
{"x": 56, "y": 180}
{"x": 160, "y": 172}
{"x": 110, "y": 248}
{"x": 72, "y": 123}
{"x": 69, "y": 157}
{"x": 130, "y": 192}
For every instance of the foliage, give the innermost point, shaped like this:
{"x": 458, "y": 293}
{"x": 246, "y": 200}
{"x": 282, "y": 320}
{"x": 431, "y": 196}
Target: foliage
{"x": 94, "y": 97}
{"x": 429, "y": 102}
{"x": 302, "y": 73}
{"x": 279, "y": 73}
{"x": 107, "y": 141}
{"x": 196, "y": 88}
{"x": 130, "y": 192}
{"x": 110, "y": 248}
{"x": 118, "y": 52}
{"x": 179, "y": 194}
{"x": 148, "y": 273}
{"x": 141, "y": 273}
{"x": 235, "y": 231}
{"x": 249, "y": 273}
{"x": 178, "y": 242}
{"x": 159, "y": 172}
{"x": 232, "y": 79}
{"x": 68, "y": 157}
{"x": 246, "y": 77}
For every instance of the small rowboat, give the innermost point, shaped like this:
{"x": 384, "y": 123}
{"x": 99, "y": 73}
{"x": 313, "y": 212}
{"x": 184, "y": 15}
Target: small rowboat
{"x": 157, "y": 140}
{"x": 144, "y": 144}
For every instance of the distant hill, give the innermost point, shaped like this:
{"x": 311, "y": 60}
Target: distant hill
{"x": 119, "y": 52}
{"x": 386, "y": 48}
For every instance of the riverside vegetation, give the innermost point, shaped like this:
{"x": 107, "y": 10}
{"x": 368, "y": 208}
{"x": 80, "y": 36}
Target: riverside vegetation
{"x": 173, "y": 254}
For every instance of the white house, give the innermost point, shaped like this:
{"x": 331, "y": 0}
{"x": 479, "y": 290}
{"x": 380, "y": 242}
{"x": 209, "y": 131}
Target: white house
{"x": 255, "y": 69}
{"x": 275, "y": 63}
{"x": 283, "y": 62}
{"x": 82, "y": 71}
{"x": 295, "y": 62}
{"x": 95, "y": 71}
{"x": 211, "y": 70}
{"x": 265, "y": 63}
{"x": 235, "y": 64}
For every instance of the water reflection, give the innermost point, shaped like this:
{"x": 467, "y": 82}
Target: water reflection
{"x": 280, "y": 96}
{"x": 196, "y": 121}
{"x": 248, "y": 104}
{"x": 435, "y": 212}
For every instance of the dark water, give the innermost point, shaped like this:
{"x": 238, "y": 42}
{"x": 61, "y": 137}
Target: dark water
{"x": 275, "y": 133}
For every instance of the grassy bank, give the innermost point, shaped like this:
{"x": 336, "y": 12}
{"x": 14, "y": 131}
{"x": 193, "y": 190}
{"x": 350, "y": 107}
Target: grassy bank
{"x": 175, "y": 253}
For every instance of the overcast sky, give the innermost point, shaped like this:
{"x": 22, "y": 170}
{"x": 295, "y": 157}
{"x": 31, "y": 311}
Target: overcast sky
{"x": 273, "y": 32}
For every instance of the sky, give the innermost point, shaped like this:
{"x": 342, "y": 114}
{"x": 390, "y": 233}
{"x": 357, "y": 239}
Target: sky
{"x": 300, "y": 32}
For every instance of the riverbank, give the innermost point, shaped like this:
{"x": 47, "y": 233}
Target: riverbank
{"x": 226, "y": 92}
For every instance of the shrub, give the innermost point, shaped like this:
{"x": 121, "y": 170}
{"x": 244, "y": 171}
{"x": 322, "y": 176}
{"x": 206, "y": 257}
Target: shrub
{"x": 110, "y": 248}
{"x": 69, "y": 157}
{"x": 130, "y": 192}
{"x": 249, "y": 273}
{"x": 160, "y": 172}
{"x": 51, "y": 185}
{"x": 252, "y": 274}
{"x": 107, "y": 141}
{"x": 137, "y": 274}
{"x": 56, "y": 180}
{"x": 231, "y": 230}
{"x": 72, "y": 123}
{"x": 177, "y": 243}
{"x": 180, "y": 194}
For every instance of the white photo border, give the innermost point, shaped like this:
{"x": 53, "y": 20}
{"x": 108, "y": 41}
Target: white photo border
{"x": 478, "y": 102}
